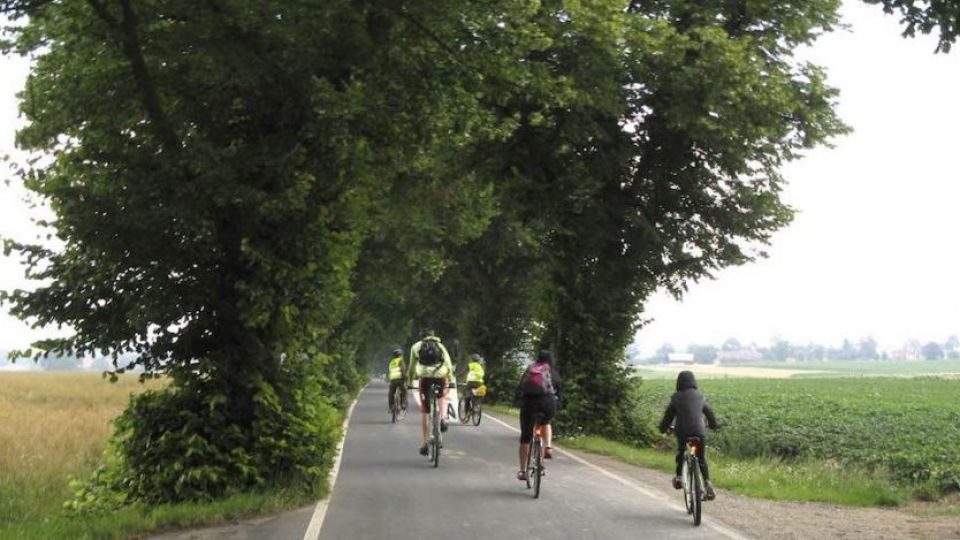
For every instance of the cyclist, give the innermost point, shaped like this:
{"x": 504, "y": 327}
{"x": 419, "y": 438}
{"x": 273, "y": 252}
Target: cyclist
{"x": 430, "y": 362}
{"x": 475, "y": 375}
{"x": 537, "y": 395}
{"x": 688, "y": 406}
{"x": 396, "y": 372}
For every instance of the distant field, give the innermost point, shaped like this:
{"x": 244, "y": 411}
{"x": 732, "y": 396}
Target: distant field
{"x": 783, "y": 370}
{"x": 907, "y": 427}
{"x": 52, "y": 426}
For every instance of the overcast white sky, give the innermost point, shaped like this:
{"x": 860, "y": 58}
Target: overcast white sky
{"x": 873, "y": 250}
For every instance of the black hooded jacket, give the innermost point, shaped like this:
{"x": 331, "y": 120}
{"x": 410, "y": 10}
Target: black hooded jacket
{"x": 688, "y": 406}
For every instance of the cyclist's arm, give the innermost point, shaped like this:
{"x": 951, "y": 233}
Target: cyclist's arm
{"x": 668, "y": 416}
{"x": 711, "y": 417}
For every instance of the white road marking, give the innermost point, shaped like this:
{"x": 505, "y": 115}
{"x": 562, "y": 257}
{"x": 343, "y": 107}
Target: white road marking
{"x": 320, "y": 511}
{"x": 729, "y": 533}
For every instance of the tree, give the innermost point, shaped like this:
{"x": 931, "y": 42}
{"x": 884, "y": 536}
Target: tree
{"x": 663, "y": 353}
{"x": 927, "y": 16}
{"x": 703, "y": 354}
{"x": 731, "y": 344}
{"x": 867, "y": 349}
{"x": 932, "y": 351}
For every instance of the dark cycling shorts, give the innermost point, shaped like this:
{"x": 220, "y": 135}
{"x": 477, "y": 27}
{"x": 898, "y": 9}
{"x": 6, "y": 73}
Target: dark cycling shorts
{"x": 426, "y": 385}
{"x": 530, "y": 407}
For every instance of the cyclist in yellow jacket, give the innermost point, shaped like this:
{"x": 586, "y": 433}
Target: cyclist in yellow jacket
{"x": 397, "y": 373}
{"x": 430, "y": 362}
{"x": 475, "y": 375}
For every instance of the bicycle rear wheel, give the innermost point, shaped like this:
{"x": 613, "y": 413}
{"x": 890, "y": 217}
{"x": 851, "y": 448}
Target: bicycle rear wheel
{"x": 528, "y": 469}
{"x": 477, "y": 411}
{"x": 697, "y": 494}
{"x": 436, "y": 437}
{"x": 686, "y": 475}
{"x": 537, "y": 466}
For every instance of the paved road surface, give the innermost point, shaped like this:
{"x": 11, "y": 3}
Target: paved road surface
{"x": 386, "y": 490}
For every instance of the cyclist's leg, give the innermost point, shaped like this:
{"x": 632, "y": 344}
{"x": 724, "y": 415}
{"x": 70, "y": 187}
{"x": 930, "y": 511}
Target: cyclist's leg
{"x": 681, "y": 446}
{"x": 702, "y": 456}
{"x": 442, "y": 401}
{"x": 390, "y": 393}
{"x": 403, "y": 395}
{"x": 425, "y": 409}
{"x": 548, "y": 408}
{"x": 526, "y": 434}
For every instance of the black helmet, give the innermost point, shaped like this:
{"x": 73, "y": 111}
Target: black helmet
{"x": 398, "y": 352}
{"x": 429, "y": 333}
{"x": 545, "y": 356}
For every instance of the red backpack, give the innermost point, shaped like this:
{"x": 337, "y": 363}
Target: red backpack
{"x": 537, "y": 380}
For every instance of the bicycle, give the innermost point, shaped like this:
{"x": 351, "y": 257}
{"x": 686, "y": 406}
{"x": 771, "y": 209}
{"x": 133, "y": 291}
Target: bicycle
{"x": 692, "y": 478}
{"x": 398, "y": 412}
{"x": 535, "y": 470}
{"x": 436, "y": 442}
{"x": 471, "y": 408}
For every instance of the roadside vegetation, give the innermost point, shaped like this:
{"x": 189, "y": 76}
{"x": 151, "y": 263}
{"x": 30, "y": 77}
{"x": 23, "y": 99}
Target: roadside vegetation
{"x": 54, "y": 429}
{"x": 870, "y": 441}
{"x": 257, "y": 200}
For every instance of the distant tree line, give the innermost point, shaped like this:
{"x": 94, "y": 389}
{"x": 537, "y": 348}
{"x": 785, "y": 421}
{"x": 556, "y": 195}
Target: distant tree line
{"x": 782, "y": 350}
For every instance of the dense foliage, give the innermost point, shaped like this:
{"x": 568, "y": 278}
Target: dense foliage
{"x": 247, "y": 192}
{"x": 908, "y": 427}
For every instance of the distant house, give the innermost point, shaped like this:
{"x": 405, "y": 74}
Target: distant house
{"x": 680, "y": 358}
{"x": 739, "y": 355}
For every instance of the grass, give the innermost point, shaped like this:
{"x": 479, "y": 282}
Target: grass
{"x": 132, "y": 521}
{"x": 766, "y": 478}
{"x": 55, "y": 426}
{"x": 52, "y": 426}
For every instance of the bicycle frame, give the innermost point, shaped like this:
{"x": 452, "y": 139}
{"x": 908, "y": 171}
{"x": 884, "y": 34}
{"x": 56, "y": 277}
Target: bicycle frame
{"x": 435, "y": 439}
{"x": 692, "y": 478}
{"x": 535, "y": 470}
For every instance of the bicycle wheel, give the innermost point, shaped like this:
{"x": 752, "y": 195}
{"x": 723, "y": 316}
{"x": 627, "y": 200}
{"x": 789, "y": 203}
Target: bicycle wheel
{"x": 686, "y": 476}
{"x": 537, "y": 466}
{"x": 697, "y": 494}
{"x": 436, "y": 437}
{"x": 463, "y": 414}
{"x": 477, "y": 411}
{"x": 393, "y": 414}
{"x": 528, "y": 469}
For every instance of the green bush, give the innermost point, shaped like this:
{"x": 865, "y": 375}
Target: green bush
{"x": 191, "y": 441}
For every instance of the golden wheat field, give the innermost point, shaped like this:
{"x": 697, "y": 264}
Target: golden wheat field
{"x": 53, "y": 426}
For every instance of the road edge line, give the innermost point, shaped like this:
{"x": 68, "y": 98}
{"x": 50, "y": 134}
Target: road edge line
{"x": 320, "y": 510}
{"x": 726, "y": 531}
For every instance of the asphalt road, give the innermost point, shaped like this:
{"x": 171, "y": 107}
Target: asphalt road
{"x": 386, "y": 490}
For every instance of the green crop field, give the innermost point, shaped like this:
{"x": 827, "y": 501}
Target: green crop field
{"x": 907, "y": 428}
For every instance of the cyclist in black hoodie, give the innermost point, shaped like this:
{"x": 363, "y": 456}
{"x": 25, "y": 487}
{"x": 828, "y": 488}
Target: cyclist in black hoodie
{"x": 688, "y": 407}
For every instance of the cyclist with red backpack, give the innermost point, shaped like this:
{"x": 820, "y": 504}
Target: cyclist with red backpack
{"x": 430, "y": 362}
{"x": 538, "y": 393}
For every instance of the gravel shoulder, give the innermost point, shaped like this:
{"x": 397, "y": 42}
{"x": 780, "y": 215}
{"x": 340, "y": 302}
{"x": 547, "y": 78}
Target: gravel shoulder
{"x": 761, "y": 518}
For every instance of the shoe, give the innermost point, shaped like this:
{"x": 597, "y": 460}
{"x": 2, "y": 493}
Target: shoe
{"x": 522, "y": 476}
{"x": 547, "y": 454}
{"x": 443, "y": 426}
{"x": 709, "y": 494}
{"x": 677, "y": 483}
{"x": 424, "y": 450}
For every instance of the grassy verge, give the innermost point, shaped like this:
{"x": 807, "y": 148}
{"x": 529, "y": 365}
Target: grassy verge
{"x": 808, "y": 481}
{"x": 128, "y": 522}
{"x": 53, "y": 427}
